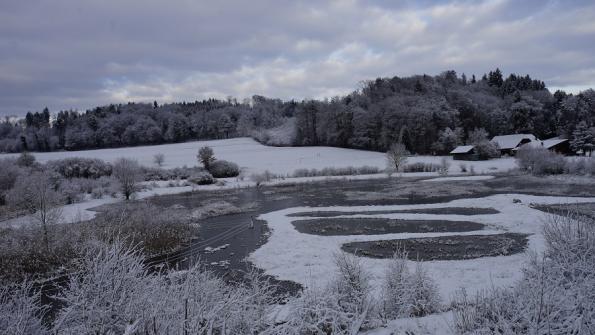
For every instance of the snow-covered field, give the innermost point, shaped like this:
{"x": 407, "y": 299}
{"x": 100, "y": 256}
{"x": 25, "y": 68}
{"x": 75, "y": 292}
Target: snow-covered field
{"x": 308, "y": 259}
{"x": 255, "y": 157}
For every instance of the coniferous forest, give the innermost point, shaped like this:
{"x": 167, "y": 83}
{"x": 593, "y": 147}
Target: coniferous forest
{"x": 429, "y": 114}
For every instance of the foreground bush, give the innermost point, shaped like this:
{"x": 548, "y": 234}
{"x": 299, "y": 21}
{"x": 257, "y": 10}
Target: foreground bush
{"x": 114, "y": 293}
{"x": 223, "y": 169}
{"x": 555, "y": 296}
{"x": 406, "y": 293}
{"x": 21, "y": 311}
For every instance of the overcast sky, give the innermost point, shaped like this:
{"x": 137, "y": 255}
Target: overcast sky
{"x": 82, "y": 53}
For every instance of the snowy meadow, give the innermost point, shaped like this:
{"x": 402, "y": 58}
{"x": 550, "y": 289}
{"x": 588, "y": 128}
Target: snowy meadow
{"x": 244, "y": 238}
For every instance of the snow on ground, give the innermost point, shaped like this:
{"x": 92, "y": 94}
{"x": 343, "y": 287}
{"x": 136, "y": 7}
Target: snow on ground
{"x": 308, "y": 259}
{"x": 255, "y": 157}
{"x": 461, "y": 178}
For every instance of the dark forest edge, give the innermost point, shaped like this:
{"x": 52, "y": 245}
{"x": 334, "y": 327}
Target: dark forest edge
{"x": 429, "y": 114}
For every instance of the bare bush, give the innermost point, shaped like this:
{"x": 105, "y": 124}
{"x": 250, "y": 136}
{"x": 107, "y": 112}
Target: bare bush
{"x": 156, "y": 230}
{"x": 555, "y": 296}
{"x": 26, "y": 159}
{"x": 406, "y": 293}
{"x": 444, "y": 166}
{"x": 115, "y": 294}
{"x": 345, "y": 306}
{"x": 336, "y": 171}
{"x": 260, "y": 178}
{"x": 128, "y": 173}
{"x": 21, "y": 311}
{"x": 37, "y": 194}
{"x": 159, "y": 159}
{"x": 540, "y": 161}
{"x": 421, "y": 167}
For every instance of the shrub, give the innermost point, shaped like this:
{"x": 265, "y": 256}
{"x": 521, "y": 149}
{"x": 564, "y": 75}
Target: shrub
{"x": 260, "y": 178}
{"x": 224, "y": 169}
{"x": 78, "y": 167}
{"x": 421, "y": 167}
{"x": 202, "y": 178}
{"x": 556, "y": 294}
{"x": 155, "y": 174}
{"x": 345, "y": 306}
{"x": 540, "y": 161}
{"x": 21, "y": 311}
{"x": 26, "y": 159}
{"x": 336, "y": 171}
{"x": 463, "y": 167}
{"x": 159, "y": 159}
{"x": 444, "y": 166}
{"x": 407, "y": 294}
{"x": 486, "y": 149}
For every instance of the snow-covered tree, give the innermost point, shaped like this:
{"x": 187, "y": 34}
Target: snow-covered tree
{"x": 206, "y": 156}
{"x": 448, "y": 139}
{"x": 583, "y": 138}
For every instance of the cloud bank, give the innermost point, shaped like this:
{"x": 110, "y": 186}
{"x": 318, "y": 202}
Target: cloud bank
{"x": 78, "y": 54}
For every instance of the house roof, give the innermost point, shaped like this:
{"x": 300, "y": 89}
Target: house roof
{"x": 512, "y": 141}
{"x": 547, "y": 144}
{"x": 552, "y": 142}
{"x": 462, "y": 149}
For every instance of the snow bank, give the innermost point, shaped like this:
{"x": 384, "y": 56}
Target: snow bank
{"x": 255, "y": 157}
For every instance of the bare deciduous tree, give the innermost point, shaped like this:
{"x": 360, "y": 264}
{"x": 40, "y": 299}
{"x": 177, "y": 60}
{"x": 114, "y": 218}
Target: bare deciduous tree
{"x": 37, "y": 194}
{"x": 397, "y": 156}
{"x": 159, "y": 159}
{"x": 128, "y": 173}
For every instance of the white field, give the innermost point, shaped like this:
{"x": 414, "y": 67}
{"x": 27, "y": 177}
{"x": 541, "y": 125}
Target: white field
{"x": 308, "y": 259}
{"x": 255, "y": 157}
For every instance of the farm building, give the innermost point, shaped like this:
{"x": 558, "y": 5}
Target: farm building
{"x": 465, "y": 153}
{"x": 557, "y": 145}
{"x": 508, "y": 143}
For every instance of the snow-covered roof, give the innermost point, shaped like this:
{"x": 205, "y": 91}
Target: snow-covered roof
{"x": 547, "y": 144}
{"x": 552, "y": 142}
{"x": 462, "y": 149}
{"x": 512, "y": 141}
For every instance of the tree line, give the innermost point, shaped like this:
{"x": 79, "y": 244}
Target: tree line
{"x": 428, "y": 114}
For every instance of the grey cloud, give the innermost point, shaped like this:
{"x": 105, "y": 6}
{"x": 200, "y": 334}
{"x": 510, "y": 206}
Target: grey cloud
{"x": 75, "y": 54}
